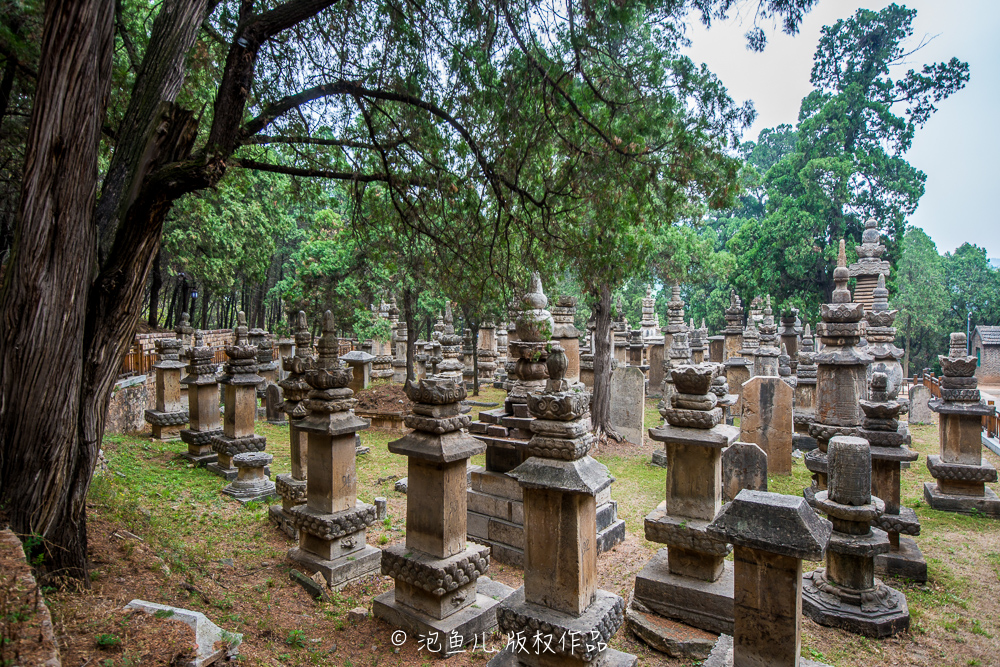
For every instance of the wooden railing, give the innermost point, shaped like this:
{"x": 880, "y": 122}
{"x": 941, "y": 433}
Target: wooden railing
{"x": 138, "y": 362}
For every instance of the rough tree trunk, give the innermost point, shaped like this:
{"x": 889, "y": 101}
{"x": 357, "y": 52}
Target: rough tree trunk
{"x": 154, "y": 293}
{"x": 47, "y": 451}
{"x": 409, "y": 300}
{"x": 600, "y": 410}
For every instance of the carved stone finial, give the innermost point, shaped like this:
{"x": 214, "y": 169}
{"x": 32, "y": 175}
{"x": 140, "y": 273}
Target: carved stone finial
{"x": 241, "y": 328}
{"x": 840, "y": 277}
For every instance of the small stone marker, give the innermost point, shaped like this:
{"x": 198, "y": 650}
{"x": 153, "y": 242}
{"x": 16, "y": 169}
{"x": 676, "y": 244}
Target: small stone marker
{"x": 251, "y": 482}
{"x": 628, "y": 403}
{"x": 770, "y": 534}
{"x": 766, "y": 420}
{"x": 744, "y": 466}
{"x": 380, "y": 508}
{"x": 274, "y": 400}
{"x": 207, "y": 634}
{"x": 920, "y": 412}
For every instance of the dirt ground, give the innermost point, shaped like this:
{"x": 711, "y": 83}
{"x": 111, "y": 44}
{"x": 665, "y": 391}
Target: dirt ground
{"x": 161, "y": 531}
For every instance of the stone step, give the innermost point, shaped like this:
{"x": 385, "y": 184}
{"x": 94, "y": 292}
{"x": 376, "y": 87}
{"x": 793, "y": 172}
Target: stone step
{"x": 517, "y": 422}
{"x": 494, "y": 483}
{"x": 611, "y": 536}
{"x": 607, "y": 514}
{"x": 478, "y": 427}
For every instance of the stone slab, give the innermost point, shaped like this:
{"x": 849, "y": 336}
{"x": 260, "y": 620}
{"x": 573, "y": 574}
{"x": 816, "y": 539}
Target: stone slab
{"x": 667, "y": 636}
{"x": 920, "y": 412}
{"x": 628, "y": 403}
{"x": 340, "y": 572}
{"x": 201, "y": 461}
{"x": 905, "y": 563}
{"x": 766, "y": 420}
{"x": 701, "y": 604}
{"x": 316, "y": 590}
{"x": 722, "y": 655}
{"x": 659, "y": 458}
{"x": 744, "y": 466}
{"x": 276, "y": 515}
{"x": 476, "y": 619}
{"x": 207, "y": 633}
{"x": 988, "y": 503}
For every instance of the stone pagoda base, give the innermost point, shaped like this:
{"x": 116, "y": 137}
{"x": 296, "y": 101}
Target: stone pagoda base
{"x": 597, "y": 624}
{"x": 166, "y": 426}
{"x": 292, "y": 492}
{"x": 199, "y": 446}
{"x": 884, "y": 612}
{"x": 666, "y": 636}
{"x": 722, "y": 655}
{"x": 496, "y": 516}
{"x": 659, "y": 458}
{"x": 478, "y": 618}
{"x": 988, "y": 503}
{"x": 703, "y": 604}
{"x": 341, "y": 559}
{"x": 907, "y": 562}
{"x": 252, "y": 481}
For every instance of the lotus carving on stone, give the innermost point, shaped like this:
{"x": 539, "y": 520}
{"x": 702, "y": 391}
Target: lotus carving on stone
{"x": 842, "y": 312}
{"x": 435, "y": 391}
{"x": 962, "y": 367}
{"x": 888, "y": 410}
{"x": 241, "y": 351}
{"x": 694, "y": 379}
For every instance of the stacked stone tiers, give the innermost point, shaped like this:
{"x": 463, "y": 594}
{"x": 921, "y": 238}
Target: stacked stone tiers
{"x": 203, "y": 404}
{"x": 960, "y": 472}
{"x": 333, "y": 522}
{"x": 689, "y": 581}
{"x": 804, "y": 401}
{"x": 291, "y": 486}
{"x": 437, "y": 592}
{"x": 169, "y": 416}
{"x": 846, "y": 594}
{"x": 560, "y": 599}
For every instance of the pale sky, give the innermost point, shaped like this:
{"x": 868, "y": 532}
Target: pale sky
{"x": 957, "y": 148}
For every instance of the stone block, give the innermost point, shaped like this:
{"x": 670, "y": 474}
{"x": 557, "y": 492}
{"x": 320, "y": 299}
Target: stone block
{"x": 988, "y": 503}
{"x": 744, "y": 466}
{"x": 491, "y": 506}
{"x": 666, "y": 635}
{"x": 766, "y": 420}
{"x": 906, "y": 562}
{"x": 333, "y": 479}
{"x": 343, "y": 570}
{"x": 701, "y": 604}
{"x": 628, "y": 403}
{"x": 495, "y": 483}
{"x": 920, "y": 413}
{"x": 436, "y": 507}
{"x": 506, "y": 532}
{"x": 213, "y": 645}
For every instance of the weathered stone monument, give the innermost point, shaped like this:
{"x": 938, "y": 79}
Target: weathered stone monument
{"x": 169, "y": 416}
{"x": 744, "y": 466}
{"x": 846, "y": 594}
{"x": 689, "y": 581}
{"x": 920, "y": 411}
{"x": 804, "y": 399}
{"x": 889, "y": 439}
{"x": 765, "y": 359}
{"x": 565, "y": 333}
{"x": 881, "y": 334}
{"x": 273, "y": 405}
{"x": 960, "y": 470}
{"x": 650, "y": 322}
{"x": 360, "y": 363}
{"x": 841, "y": 373}
{"x": 203, "y": 403}
{"x": 332, "y": 523}
{"x": 436, "y": 571}
{"x": 737, "y": 366}
{"x": 291, "y": 487}
{"x": 766, "y": 420}
{"x": 252, "y": 481}
{"x": 239, "y": 381}
{"x": 869, "y": 266}
{"x": 560, "y": 482}
{"x": 495, "y": 504}
{"x": 771, "y": 534}
{"x": 628, "y": 403}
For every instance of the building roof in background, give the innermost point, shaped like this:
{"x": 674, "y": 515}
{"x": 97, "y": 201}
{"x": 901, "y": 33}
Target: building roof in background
{"x": 989, "y": 335}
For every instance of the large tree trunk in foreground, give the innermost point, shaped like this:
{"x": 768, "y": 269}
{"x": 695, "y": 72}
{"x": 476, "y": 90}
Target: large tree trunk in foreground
{"x": 600, "y": 408}
{"x": 46, "y": 445}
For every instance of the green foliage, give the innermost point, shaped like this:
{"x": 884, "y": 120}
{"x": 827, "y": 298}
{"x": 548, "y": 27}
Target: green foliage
{"x": 973, "y": 286}
{"x": 108, "y": 641}
{"x": 922, "y": 301}
{"x": 846, "y": 163}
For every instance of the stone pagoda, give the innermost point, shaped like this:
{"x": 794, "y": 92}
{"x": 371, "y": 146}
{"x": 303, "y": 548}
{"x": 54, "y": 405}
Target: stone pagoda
{"x": 496, "y": 510}
{"x": 399, "y": 338}
{"x": 650, "y": 323}
{"x": 841, "y": 373}
{"x": 765, "y": 358}
{"x": 239, "y": 381}
{"x": 169, "y": 416}
{"x": 675, "y": 317}
{"x": 468, "y": 359}
{"x": 881, "y": 336}
{"x": 696, "y": 338}
{"x": 869, "y": 266}
{"x": 436, "y": 571}
{"x": 332, "y": 523}
{"x": 267, "y": 367}
{"x": 734, "y": 328}
{"x": 804, "y": 404}
{"x": 291, "y": 487}
{"x": 789, "y": 334}
{"x": 690, "y": 581}
{"x": 565, "y": 333}
{"x": 960, "y": 470}
{"x": 846, "y": 594}
{"x": 560, "y": 600}
{"x": 203, "y": 403}
{"x": 785, "y": 368}
{"x": 889, "y": 438}
{"x": 679, "y": 354}
{"x": 770, "y": 534}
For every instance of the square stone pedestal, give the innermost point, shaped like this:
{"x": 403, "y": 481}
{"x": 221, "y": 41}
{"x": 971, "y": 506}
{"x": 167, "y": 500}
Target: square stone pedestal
{"x": 478, "y": 618}
{"x": 167, "y": 433}
{"x": 988, "y": 503}
{"x": 342, "y": 570}
{"x": 704, "y": 604}
{"x": 722, "y": 655}
{"x": 907, "y": 562}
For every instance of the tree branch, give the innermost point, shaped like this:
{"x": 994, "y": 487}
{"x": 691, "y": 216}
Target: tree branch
{"x": 322, "y": 173}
